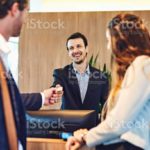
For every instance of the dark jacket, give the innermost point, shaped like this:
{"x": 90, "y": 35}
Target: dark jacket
{"x": 96, "y": 92}
{"x": 31, "y": 101}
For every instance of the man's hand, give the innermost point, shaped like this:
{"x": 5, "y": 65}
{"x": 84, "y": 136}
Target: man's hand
{"x": 53, "y": 95}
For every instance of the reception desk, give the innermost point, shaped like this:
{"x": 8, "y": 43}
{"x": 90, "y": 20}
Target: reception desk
{"x": 48, "y": 144}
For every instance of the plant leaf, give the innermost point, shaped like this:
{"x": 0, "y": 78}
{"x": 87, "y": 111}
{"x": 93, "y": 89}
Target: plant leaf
{"x": 104, "y": 68}
{"x": 95, "y": 60}
{"x": 91, "y": 60}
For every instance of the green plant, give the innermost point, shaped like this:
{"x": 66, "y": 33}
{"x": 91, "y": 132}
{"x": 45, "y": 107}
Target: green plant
{"x": 93, "y": 60}
{"x": 104, "y": 70}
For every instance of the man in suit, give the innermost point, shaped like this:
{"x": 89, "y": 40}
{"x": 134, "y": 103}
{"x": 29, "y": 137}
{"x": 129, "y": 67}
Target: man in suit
{"x": 12, "y": 14}
{"x": 85, "y": 87}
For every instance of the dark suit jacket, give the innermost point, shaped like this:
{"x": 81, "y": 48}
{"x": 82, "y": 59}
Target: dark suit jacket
{"x": 31, "y": 102}
{"x": 96, "y": 92}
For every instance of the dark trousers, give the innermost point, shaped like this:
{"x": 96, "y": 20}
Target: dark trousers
{"x": 118, "y": 146}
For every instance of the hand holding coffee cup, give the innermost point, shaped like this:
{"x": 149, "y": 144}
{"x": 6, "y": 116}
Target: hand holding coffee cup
{"x": 57, "y": 94}
{"x": 52, "y": 95}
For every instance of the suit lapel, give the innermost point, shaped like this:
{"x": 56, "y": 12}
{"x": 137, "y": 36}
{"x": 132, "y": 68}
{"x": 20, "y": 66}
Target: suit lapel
{"x": 12, "y": 87}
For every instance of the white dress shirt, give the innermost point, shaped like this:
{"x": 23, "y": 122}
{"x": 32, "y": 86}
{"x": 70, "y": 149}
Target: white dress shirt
{"x": 83, "y": 81}
{"x": 129, "y": 120}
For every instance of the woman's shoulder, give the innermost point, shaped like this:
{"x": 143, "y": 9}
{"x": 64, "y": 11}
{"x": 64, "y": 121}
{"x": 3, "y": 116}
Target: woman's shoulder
{"x": 141, "y": 61}
{"x": 142, "y": 64}
{"x": 138, "y": 70}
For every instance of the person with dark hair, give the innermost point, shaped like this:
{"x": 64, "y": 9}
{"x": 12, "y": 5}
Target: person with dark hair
{"x": 85, "y": 87}
{"x": 12, "y": 103}
{"x": 126, "y": 125}
{"x": 6, "y": 5}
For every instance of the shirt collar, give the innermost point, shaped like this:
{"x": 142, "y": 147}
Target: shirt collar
{"x": 4, "y": 45}
{"x": 87, "y": 71}
{"x": 4, "y": 51}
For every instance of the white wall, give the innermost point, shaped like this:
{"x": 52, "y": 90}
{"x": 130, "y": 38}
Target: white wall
{"x": 88, "y": 5}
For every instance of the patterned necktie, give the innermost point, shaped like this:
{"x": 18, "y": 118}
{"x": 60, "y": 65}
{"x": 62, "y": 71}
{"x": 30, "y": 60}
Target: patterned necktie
{"x": 8, "y": 110}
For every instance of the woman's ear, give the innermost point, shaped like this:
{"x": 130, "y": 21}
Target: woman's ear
{"x": 121, "y": 45}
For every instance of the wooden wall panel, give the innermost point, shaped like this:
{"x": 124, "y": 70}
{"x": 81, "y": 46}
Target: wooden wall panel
{"x": 43, "y": 38}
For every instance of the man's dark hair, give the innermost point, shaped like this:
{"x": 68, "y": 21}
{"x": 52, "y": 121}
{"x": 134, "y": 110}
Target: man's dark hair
{"x": 5, "y": 6}
{"x": 77, "y": 35}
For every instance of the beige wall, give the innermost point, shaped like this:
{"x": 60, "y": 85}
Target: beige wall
{"x": 43, "y": 38}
